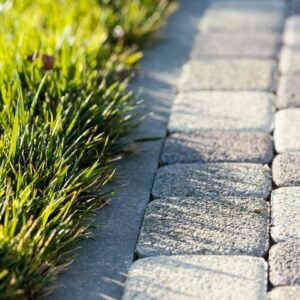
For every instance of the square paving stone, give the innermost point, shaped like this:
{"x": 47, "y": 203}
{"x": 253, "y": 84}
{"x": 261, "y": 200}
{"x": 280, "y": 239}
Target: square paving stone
{"x": 229, "y": 74}
{"x": 292, "y": 31}
{"x": 224, "y": 226}
{"x": 218, "y": 146}
{"x": 285, "y": 293}
{"x": 231, "y": 111}
{"x": 197, "y": 277}
{"x": 289, "y": 62}
{"x": 212, "y": 180}
{"x": 286, "y": 169}
{"x": 287, "y": 131}
{"x": 263, "y": 45}
{"x": 285, "y": 212}
{"x": 288, "y": 93}
{"x": 284, "y": 263}
{"x": 234, "y": 16}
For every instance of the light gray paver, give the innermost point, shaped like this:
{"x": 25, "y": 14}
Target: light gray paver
{"x": 234, "y": 16}
{"x": 218, "y": 146}
{"x": 287, "y": 133}
{"x": 292, "y": 32}
{"x": 284, "y": 262}
{"x": 289, "y": 61}
{"x": 285, "y": 293}
{"x": 286, "y": 169}
{"x": 263, "y": 45}
{"x": 213, "y": 179}
{"x": 224, "y": 226}
{"x": 288, "y": 93}
{"x": 237, "y": 111}
{"x": 285, "y": 212}
{"x": 197, "y": 277}
{"x": 229, "y": 74}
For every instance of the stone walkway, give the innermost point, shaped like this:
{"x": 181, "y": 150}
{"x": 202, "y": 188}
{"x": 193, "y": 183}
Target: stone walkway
{"x": 218, "y": 227}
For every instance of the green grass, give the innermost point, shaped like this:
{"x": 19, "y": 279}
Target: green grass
{"x": 64, "y": 108}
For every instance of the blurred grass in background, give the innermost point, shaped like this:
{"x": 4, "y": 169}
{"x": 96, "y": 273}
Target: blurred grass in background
{"x": 64, "y": 106}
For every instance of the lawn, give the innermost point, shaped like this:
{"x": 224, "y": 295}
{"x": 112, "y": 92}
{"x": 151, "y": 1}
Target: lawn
{"x": 64, "y": 108}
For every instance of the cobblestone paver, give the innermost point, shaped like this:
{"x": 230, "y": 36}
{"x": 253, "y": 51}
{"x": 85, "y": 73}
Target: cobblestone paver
{"x": 287, "y": 133}
{"x": 224, "y": 225}
{"x": 202, "y": 111}
{"x": 284, "y": 261}
{"x": 211, "y": 192}
{"x": 263, "y": 45}
{"x": 285, "y": 212}
{"x": 218, "y": 146}
{"x": 229, "y": 74}
{"x": 288, "y": 92}
{"x": 292, "y": 31}
{"x": 285, "y": 293}
{"x": 290, "y": 61}
{"x": 197, "y": 277}
{"x": 213, "y": 179}
{"x": 286, "y": 169}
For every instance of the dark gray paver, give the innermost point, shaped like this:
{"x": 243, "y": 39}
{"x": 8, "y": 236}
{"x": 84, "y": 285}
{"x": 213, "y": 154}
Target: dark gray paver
{"x": 229, "y": 74}
{"x": 197, "y": 277}
{"x": 286, "y": 169}
{"x": 212, "y": 179}
{"x": 284, "y": 263}
{"x": 287, "y": 133}
{"x": 291, "y": 31}
{"x": 288, "y": 93}
{"x": 218, "y": 146}
{"x": 285, "y": 212}
{"x": 224, "y": 226}
{"x": 263, "y": 45}
{"x": 239, "y": 16}
{"x": 289, "y": 61}
{"x": 285, "y": 293}
{"x": 206, "y": 111}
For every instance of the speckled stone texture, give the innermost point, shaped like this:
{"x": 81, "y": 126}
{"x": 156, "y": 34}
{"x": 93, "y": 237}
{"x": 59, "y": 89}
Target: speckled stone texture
{"x": 289, "y": 62}
{"x": 197, "y": 277}
{"x": 291, "y": 35}
{"x": 239, "y": 16}
{"x": 285, "y": 293}
{"x": 206, "y": 111}
{"x": 288, "y": 93}
{"x": 229, "y": 74}
{"x": 263, "y": 45}
{"x": 213, "y": 179}
{"x": 287, "y": 133}
{"x": 286, "y": 169}
{"x": 285, "y": 212}
{"x": 224, "y": 226}
{"x": 218, "y": 146}
{"x": 284, "y": 263}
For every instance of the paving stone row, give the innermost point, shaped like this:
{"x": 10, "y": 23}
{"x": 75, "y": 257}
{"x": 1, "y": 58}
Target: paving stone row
{"x": 284, "y": 256}
{"x": 196, "y": 277}
{"x": 207, "y": 228}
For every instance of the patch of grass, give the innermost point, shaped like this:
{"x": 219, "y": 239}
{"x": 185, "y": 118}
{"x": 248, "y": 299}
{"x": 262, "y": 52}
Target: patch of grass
{"x": 64, "y": 106}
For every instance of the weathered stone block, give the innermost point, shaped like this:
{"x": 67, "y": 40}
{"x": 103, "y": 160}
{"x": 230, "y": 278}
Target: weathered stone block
{"x": 285, "y": 211}
{"x": 191, "y": 277}
{"x": 224, "y": 226}
{"x": 284, "y": 263}
{"x": 213, "y": 179}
